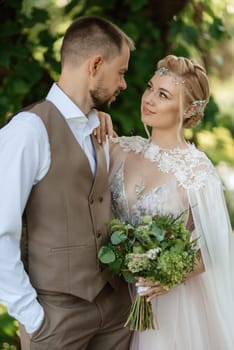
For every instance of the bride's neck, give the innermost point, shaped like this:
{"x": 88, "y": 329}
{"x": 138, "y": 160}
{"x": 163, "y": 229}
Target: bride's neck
{"x": 165, "y": 139}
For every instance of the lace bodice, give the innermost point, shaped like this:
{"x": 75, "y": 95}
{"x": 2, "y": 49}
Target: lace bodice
{"x": 165, "y": 175}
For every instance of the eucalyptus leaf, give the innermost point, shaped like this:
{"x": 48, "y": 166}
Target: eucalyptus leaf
{"x": 106, "y": 255}
{"x": 118, "y": 237}
{"x": 159, "y": 233}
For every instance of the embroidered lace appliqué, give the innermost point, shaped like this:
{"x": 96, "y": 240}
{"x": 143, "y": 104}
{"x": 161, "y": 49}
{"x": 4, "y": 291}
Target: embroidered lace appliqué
{"x": 118, "y": 198}
{"x": 190, "y": 166}
{"x": 156, "y": 202}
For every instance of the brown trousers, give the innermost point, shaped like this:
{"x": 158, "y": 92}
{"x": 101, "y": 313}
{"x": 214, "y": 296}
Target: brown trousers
{"x": 72, "y": 323}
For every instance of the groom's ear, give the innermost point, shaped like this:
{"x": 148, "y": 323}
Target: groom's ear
{"x": 95, "y": 64}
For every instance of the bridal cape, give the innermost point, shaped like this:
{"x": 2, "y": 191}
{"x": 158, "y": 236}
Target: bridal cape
{"x": 197, "y": 314}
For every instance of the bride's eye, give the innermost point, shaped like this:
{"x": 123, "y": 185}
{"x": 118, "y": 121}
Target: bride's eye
{"x": 149, "y": 86}
{"x": 162, "y": 94}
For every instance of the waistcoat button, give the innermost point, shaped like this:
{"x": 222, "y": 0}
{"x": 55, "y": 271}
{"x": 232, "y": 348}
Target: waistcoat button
{"x": 98, "y": 234}
{"x": 100, "y": 199}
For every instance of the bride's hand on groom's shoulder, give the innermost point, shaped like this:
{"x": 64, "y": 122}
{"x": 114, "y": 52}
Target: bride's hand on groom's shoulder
{"x": 105, "y": 128}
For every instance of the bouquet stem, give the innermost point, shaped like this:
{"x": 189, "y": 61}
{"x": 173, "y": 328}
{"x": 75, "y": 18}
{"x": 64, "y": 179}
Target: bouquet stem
{"x": 141, "y": 315}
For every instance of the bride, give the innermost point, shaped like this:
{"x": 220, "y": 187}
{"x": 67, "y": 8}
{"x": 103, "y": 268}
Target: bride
{"x": 164, "y": 174}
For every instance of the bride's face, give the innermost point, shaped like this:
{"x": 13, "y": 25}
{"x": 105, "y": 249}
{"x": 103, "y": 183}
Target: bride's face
{"x": 161, "y": 102}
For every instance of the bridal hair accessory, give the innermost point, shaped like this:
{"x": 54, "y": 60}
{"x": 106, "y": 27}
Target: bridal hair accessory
{"x": 165, "y": 71}
{"x": 178, "y": 80}
{"x": 199, "y": 106}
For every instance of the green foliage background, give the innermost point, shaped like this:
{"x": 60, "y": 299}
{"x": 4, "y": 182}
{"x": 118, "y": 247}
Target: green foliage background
{"x": 30, "y": 38}
{"x": 9, "y": 339}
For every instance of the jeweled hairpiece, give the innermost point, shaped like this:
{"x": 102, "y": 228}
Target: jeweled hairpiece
{"x": 165, "y": 71}
{"x": 178, "y": 80}
{"x": 199, "y": 106}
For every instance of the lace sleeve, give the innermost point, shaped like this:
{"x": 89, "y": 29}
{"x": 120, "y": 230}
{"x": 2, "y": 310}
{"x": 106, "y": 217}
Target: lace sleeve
{"x": 194, "y": 170}
{"x": 119, "y": 148}
{"x": 117, "y": 157}
{"x": 131, "y": 143}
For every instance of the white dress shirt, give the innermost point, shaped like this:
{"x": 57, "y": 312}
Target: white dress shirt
{"x": 25, "y": 160}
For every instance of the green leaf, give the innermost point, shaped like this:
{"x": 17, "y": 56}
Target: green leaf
{"x": 190, "y": 34}
{"x": 136, "y": 5}
{"x": 128, "y": 276}
{"x": 118, "y": 237}
{"x": 178, "y": 247}
{"x": 115, "y": 222}
{"x": 40, "y": 15}
{"x": 116, "y": 265}
{"x": 159, "y": 233}
{"x": 5, "y": 59}
{"x": 106, "y": 255}
{"x": 147, "y": 219}
{"x": 138, "y": 249}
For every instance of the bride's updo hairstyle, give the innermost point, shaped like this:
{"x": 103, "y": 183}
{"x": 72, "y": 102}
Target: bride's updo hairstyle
{"x": 192, "y": 76}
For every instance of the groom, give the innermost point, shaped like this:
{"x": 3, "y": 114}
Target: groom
{"x": 57, "y": 174}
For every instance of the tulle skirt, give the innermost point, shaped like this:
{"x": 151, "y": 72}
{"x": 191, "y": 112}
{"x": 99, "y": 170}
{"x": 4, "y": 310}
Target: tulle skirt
{"x": 187, "y": 319}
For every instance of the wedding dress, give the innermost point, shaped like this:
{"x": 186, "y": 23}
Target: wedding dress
{"x": 144, "y": 179}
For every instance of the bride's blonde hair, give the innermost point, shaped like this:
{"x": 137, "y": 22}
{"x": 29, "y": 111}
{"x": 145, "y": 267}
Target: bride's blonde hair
{"x": 195, "y": 82}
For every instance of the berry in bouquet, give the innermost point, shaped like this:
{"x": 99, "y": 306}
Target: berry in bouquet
{"x": 159, "y": 249}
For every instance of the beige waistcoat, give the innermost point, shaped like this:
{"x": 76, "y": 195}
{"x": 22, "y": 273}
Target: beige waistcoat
{"x": 66, "y": 216}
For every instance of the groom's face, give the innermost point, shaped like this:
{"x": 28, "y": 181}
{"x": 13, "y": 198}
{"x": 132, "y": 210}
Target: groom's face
{"x": 110, "y": 80}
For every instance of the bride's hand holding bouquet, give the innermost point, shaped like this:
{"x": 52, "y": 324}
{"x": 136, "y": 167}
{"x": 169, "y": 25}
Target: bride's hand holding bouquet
{"x": 157, "y": 254}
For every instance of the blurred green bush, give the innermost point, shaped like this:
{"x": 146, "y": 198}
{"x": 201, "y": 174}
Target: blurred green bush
{"x": 9, "y": 336}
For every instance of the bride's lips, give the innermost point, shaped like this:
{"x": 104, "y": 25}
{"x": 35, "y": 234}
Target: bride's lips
{"x": 146, "y": 111}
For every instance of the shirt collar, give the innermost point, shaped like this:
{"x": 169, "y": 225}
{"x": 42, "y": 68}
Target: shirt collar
{"x": 93, "y": 122}
{"x": 64, "y": 104}
{"x": 69, "y": 109}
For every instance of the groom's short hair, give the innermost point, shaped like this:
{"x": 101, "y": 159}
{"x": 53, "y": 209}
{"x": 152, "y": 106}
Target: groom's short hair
{"x": 92, "y": 34}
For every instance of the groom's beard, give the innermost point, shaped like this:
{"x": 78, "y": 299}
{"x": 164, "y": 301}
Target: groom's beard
{"x": 101, "y": 98}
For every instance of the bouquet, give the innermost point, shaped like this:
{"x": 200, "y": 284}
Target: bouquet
{"x": 160, "y": 249}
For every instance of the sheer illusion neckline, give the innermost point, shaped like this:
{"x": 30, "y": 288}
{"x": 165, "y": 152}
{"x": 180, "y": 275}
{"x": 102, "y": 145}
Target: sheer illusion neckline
{"x": 153, "y": 150}
{"x": 150, "y": 150}
{"x": 177, "y": 147}
{"x": 188, "y": 165}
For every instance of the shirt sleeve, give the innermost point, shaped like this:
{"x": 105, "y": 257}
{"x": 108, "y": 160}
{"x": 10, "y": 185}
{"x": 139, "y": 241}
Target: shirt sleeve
{"x": 24, "y": 160}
